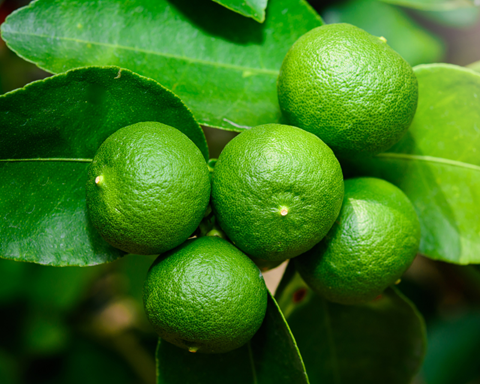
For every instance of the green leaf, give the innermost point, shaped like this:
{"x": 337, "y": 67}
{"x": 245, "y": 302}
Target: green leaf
{"x": 414, "y": 43}
{"x": 223, "y": 65}
{"x": 434, "y": 5}
{"x": 474, "y": 66}
{"x": 437, "y": 163}
{"x": 50, "y": 131}
{"x": 379, "y": 342}
{"x": 461, "y": 18}
{"x": 249, "y": 8}
{"x": 271, "y": 356}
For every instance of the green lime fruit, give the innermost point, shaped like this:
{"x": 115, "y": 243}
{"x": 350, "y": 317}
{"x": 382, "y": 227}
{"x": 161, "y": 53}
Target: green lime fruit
{"x": 148, "y": 188}
{"x": 372, "y": 243}
{"x": 205, "y": 296}
{"x": 276, "y": 191}
{"x": 349, "y": 88}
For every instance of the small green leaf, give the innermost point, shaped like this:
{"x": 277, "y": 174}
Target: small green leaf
{"x": 437, "y": 163}
{"x": 461, "y": 18}
{"x": 433, "y": 5}
{"x": 271, "y": 356}
{"x": 379, "y": 342}
{"x": 249, "y": 8}
{"x": 223, "y": 65}
{"x": 50, "y": 131}
{"x": 474, "y": 66}
{"x": 414, "y": 43}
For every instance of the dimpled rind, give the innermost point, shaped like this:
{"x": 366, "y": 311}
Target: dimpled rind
{"x": 276, "y": 191}
{"x": 148, "y": 188}
{"x": 349, "y": 88}
{"x": 206, "y": 296}
{"x": 372, "y": 243}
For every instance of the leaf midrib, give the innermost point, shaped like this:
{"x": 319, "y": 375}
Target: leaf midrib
{"x": 428, "y": 159}
{"x": 146, "y": 51}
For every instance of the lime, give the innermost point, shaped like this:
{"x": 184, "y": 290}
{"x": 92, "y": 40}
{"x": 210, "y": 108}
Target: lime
{"x": 148, "y": 188}
{"x": 205, "y": 296}
{"x": 276, "y": 191}
{"x": 349, "y": 88}
{"x": 372, "y": 243}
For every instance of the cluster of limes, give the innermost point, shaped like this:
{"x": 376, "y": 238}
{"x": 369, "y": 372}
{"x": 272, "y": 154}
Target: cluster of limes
{"x": 277, "y": 193}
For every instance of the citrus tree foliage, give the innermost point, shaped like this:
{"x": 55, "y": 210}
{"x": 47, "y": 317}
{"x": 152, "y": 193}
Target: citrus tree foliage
{"x": 193, "y": 48}
{"x": 123, "y": 62}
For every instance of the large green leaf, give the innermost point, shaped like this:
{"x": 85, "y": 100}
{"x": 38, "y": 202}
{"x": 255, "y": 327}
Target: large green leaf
{"x": 434, "y": 5}
{"x": 50, "y": 131}
{"x": 379, "y": 342}
{"x": 223, "y": 65}
{"x": 249, "y": 8}
{"x": 437, "y": 163}
{"x": 414, "y": 43}
{"x": 271, "y": 356}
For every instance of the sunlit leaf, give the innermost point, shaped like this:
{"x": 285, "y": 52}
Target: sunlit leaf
{"x": 249, "y": 8}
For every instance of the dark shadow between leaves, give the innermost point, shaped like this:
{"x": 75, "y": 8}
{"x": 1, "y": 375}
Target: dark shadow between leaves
{"x": 221, "y": 22}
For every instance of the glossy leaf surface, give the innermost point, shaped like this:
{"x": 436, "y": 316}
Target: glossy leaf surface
{"x": 437, "y": 163}
{"x": 410, "y": 40}
{"x": 223, "y": 65}
{"x": 249, "y": 8}
{"x": 379, "y": 342}
{"x": 434, "y": 5}
{"x": 271, "y": 356}
{"x": 50, "y": 131}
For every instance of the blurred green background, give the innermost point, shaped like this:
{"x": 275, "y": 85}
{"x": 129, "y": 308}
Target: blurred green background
{"x": 87, "y": 325}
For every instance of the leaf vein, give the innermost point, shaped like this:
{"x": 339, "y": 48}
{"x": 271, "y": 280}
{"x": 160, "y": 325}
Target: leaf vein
{"x": 431, "y": 159}
{"x": 271, "y": 72}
